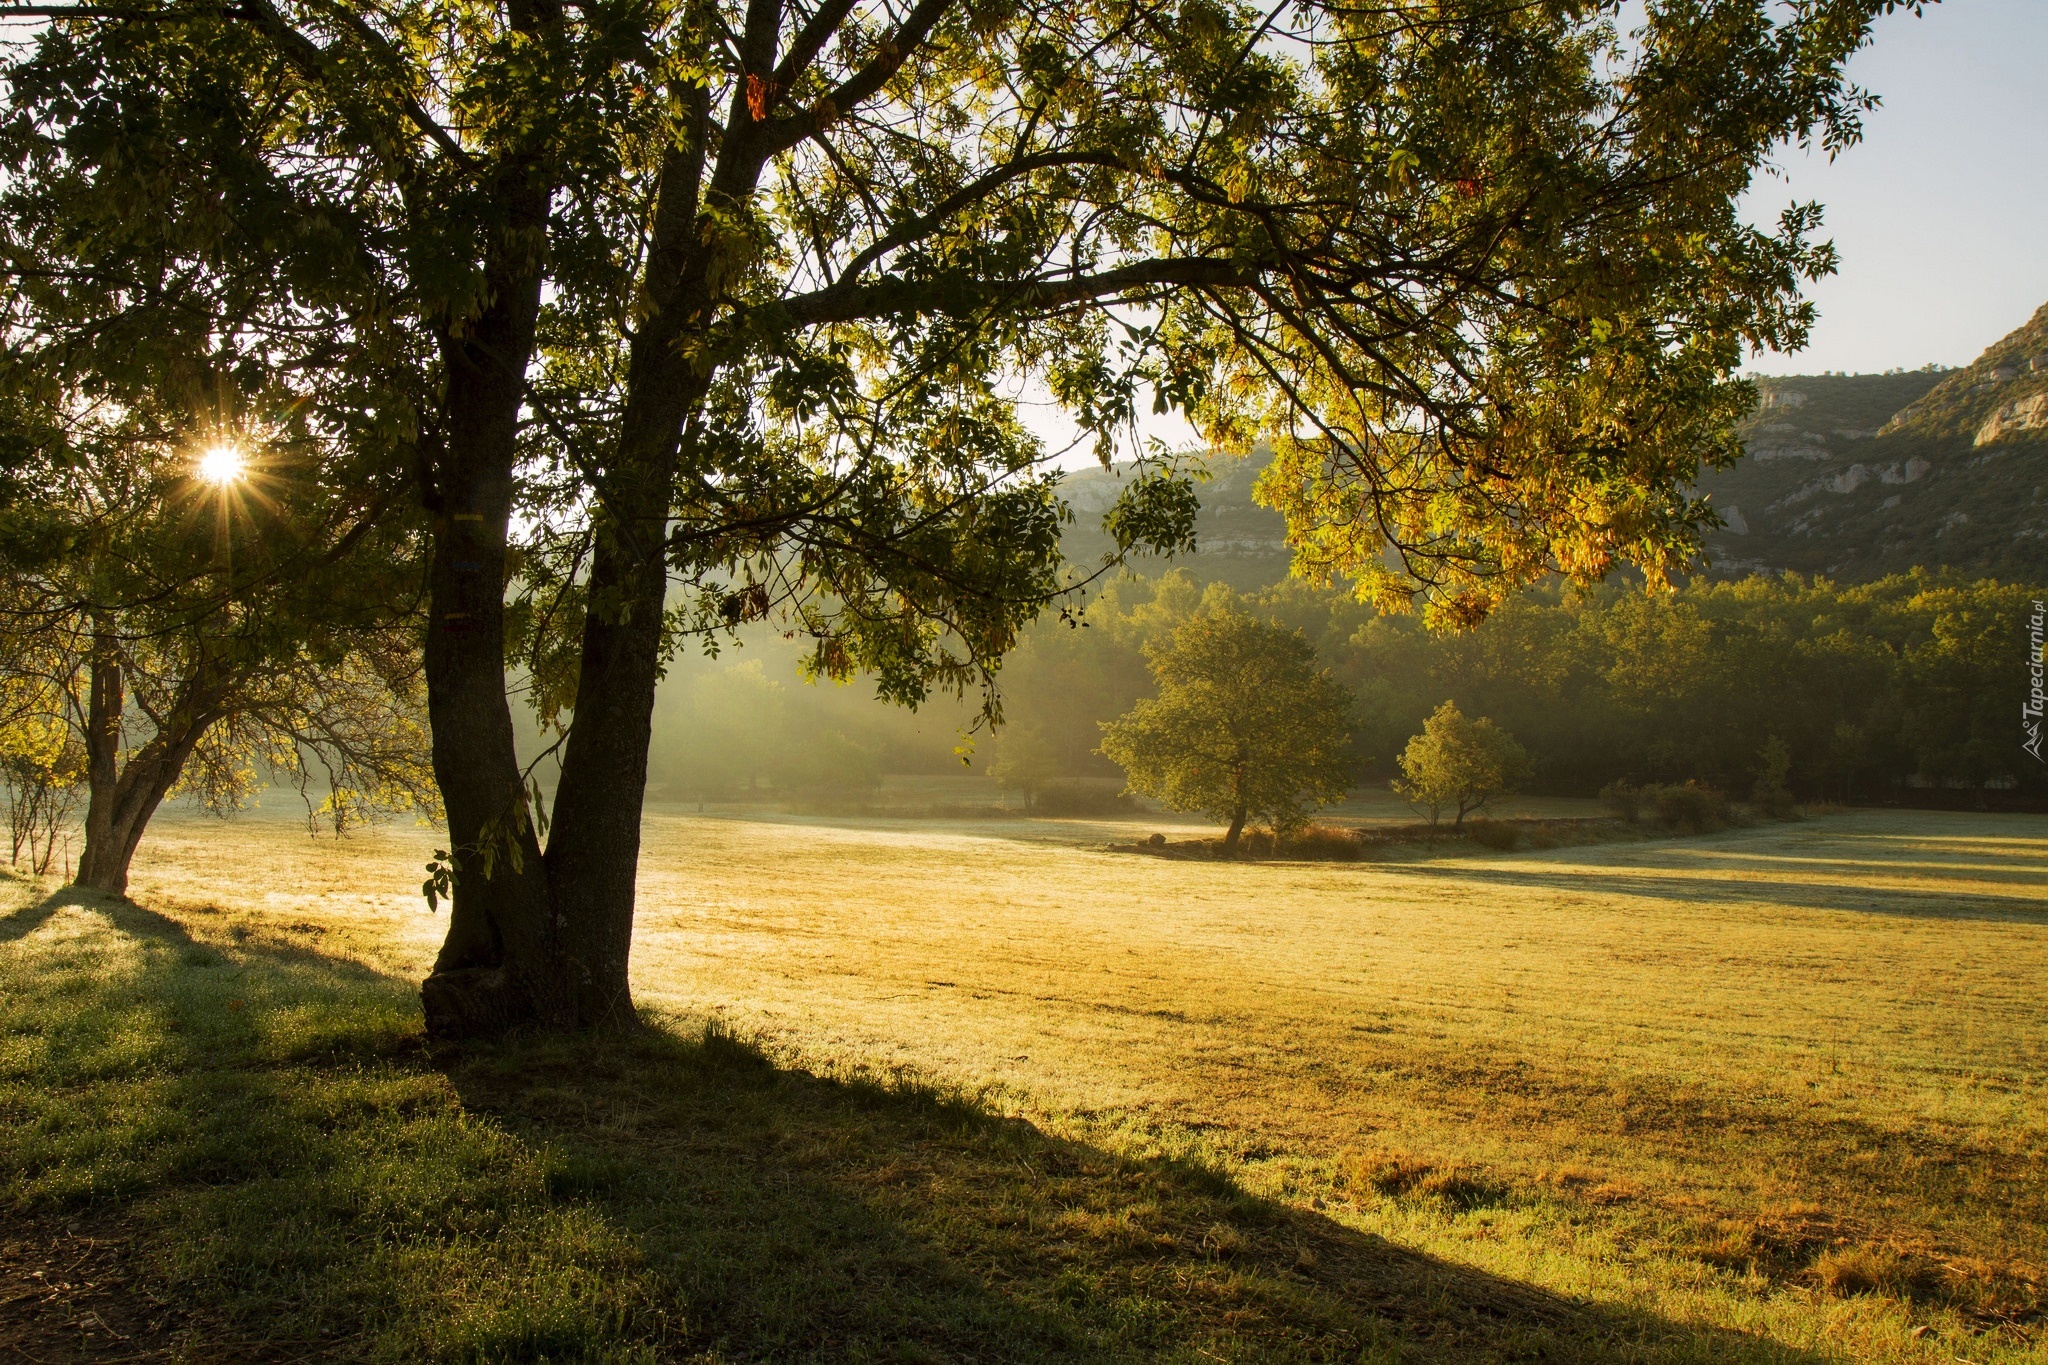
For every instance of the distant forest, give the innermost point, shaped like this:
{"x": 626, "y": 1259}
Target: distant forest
{"x": 1907, "y": 688}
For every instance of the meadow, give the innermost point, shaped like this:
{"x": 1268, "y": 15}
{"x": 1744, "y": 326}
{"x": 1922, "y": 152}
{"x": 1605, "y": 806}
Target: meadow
{"x": 981, "y": 1090}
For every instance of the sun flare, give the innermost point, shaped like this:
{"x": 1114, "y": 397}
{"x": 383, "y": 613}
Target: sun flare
{"x": 221, "y": 465}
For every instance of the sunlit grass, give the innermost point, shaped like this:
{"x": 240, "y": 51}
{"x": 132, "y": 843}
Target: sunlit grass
{"x": 1774, "y": 1094}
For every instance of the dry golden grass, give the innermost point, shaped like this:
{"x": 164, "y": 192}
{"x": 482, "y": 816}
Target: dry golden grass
{"x": 1791, "y": 1081}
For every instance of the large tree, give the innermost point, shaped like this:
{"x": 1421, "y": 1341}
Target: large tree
{"x": 736, "y": 294}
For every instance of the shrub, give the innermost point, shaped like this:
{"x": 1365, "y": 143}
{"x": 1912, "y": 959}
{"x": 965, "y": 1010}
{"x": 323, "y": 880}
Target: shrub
{"x": 1689, "y": 807}
{"x": 1624, "y": 798}
{"x": 1495, "y": 834}
{"x": 1327, "y": 842}
{"x": 1079, "y": 798}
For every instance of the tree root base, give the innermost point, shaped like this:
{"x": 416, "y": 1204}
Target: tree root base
{"x": 471, "y": 1002}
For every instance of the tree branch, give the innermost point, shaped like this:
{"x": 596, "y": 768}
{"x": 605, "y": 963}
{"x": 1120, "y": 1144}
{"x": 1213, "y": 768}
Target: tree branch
{"x": 926, "y": 223}
{"x": 894, "y": 296}
{"x": 317, "y": 63}
{"x": 783, "y": 133}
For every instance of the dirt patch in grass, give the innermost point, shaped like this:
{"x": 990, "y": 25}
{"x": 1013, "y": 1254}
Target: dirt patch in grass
{"x": 79, "y": 1291}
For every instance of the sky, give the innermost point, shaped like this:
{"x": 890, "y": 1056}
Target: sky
{"x": 1941, "y": 213}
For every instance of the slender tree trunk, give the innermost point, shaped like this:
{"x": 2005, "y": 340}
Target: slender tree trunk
{"x": 122, "y": 799}
{"x": 1243, "y": 812}
{"x": 593, "y": 857}
{"x": 499, "y": 967}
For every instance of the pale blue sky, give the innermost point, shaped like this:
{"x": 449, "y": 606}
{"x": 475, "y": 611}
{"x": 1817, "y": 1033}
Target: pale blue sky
{"x": 1941, "y": 214}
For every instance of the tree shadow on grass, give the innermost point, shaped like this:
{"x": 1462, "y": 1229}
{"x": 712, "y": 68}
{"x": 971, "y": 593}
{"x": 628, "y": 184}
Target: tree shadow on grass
{"x": 299, "y": 1172}
{"x": 821, "y": 1218}
{"x": 1739, "y": 884}
{"x": 31, "y": 917}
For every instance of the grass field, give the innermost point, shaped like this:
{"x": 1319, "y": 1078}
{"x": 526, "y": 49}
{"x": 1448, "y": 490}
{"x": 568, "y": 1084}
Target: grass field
{"x": 980, "y": 1091}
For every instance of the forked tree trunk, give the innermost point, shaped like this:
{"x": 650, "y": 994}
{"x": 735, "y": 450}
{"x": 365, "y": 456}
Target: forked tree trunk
{"x": 121, "y": 799}
{"x": 547, "y": 940}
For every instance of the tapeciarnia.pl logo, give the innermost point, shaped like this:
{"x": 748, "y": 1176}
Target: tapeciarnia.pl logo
{"x": 2030, "y": 712}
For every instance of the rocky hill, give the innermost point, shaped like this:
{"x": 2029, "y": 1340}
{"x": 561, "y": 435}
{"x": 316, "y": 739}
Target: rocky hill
{"x": 1857, "y": 476}
{"x": 1851, "y": 476}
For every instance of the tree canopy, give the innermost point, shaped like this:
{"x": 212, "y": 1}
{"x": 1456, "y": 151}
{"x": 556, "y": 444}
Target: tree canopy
{"x": 1245, "y": 726}
{"x": 738, "y": 295}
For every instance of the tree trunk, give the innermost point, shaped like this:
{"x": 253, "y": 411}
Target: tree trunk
{"x": 593, "y": 857}
{"x": 121, "y": 800}
{"x": 1237, "y": 781}
{"x": 498, "y": 969}
{"x": 1236, "y": 829}
{"x": 547, "y": 939}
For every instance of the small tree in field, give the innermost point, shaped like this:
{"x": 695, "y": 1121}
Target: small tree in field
{"x": 42, "y": 769}
{"x": 1245, "y": 725}
{"x": 1026, "y": 760}
{"x": 1459, "y": 764}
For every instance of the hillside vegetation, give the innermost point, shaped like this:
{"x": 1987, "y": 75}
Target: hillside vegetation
{"x": 1857, "y": 476}
{"x": 1903, "y": 688}
{"x": 926, "y": 1095}
{"x": 1860, "y": 480}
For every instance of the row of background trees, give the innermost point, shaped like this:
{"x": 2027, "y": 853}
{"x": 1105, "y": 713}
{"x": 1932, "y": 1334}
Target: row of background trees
{"x": 1908, "y": 688}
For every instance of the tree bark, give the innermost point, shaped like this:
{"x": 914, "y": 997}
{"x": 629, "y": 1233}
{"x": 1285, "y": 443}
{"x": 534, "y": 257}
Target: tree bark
{"x": 546, "y": 939}
{"x": 1236, "y": 829}
{"x": 593, "y": 856}
{"x": 499, "y": 968}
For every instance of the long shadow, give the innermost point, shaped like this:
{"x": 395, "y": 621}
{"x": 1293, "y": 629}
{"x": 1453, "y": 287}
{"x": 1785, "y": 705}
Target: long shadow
{"x": 309, "y": 1177}
{"x": 1732, "y": 884}
{"x": 923, "y": 1227}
